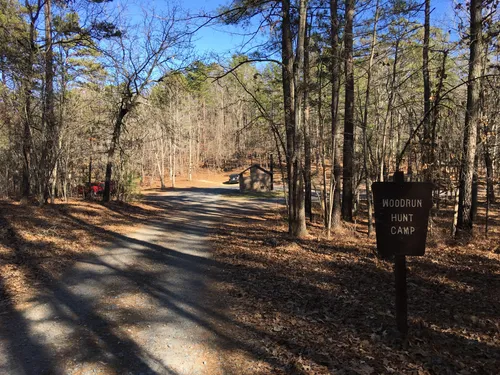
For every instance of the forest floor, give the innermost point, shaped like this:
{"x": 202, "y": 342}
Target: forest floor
{"x": 318, "y": 306}
{"x": 113, "y": 288}
{"x": 199, "y": 279}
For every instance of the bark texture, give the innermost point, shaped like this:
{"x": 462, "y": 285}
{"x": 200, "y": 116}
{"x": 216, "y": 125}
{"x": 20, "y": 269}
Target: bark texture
{"x": 348, "y": 155}
{"x": 472, "y": 117}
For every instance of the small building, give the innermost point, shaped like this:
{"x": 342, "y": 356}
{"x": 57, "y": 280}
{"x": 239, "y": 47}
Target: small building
{"x": 259, "y": 179}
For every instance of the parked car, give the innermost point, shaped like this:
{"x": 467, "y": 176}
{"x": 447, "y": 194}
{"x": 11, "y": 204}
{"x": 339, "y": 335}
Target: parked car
{"x": 95, "y": 189}
{"x": 234, "y": 178}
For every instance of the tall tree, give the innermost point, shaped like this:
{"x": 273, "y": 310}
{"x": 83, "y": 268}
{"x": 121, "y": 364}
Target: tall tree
{"x": 348, "y": 156}
{"x": 428, "y": 148}
{"x": 33, "y": 12}
{"x": 49, "y": 126}
{"x": 365, "y": 115}
{"x": 306, "y": 128}
{"x": 292, "y": 36}
{"x": 334, "y": 202}
{"x": 472, "y": 118}
{"x": 292, "y": 74}
{"x": 134, "y": 58}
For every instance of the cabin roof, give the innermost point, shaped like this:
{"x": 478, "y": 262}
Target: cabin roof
{"x": 258, "y": 167}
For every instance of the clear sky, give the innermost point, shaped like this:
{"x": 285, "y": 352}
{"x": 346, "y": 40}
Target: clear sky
{"x": 226, "y": 40}
{"x": 443, "y": 14}
{"x": 217, "y": 39}
{"x": 221, "y": 39}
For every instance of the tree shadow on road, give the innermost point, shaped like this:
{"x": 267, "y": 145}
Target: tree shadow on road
{"x": 290, "y": 306}
{"x": 89, "y": 333}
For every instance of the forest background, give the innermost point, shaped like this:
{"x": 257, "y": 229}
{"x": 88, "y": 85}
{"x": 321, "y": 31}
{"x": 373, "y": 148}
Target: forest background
{"x": 343, "y": 93}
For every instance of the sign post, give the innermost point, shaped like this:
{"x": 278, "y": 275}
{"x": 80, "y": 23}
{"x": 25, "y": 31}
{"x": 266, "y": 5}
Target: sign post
{"x": 271, "y": 169}
{"x": 401, "y": 294}
{"x": 401, "y": 217}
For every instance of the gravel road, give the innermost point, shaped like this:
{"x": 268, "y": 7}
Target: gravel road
{"x": 140, "y": 306}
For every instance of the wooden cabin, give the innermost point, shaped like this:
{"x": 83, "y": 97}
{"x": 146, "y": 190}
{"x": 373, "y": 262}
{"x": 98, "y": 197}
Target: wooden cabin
{"x": 255, "y": 179}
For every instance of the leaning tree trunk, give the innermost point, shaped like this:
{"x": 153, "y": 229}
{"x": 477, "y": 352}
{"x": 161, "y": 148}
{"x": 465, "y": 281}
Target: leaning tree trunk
{"x": 472, "y": 117}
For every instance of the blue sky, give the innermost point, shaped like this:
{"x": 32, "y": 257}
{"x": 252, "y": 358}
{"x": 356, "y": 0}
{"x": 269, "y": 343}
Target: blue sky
{"x": 221, "y": 39}
{"x": 226, "y": 40}
{"x": 218, "y": 39}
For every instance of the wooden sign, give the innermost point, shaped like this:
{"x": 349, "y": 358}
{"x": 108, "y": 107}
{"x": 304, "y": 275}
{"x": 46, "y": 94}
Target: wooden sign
{"x": 401, "y": 216}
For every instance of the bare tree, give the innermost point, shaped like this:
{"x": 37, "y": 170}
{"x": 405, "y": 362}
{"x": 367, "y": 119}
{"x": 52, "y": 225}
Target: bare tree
{"x": 134, "y": 59}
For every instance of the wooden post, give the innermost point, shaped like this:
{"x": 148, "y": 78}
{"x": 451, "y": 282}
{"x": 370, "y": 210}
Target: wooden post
{"x": 400, "y": 281}
{"x": 401, "y": 295}
{"x": 401, "y": 217}
{"x": 271, "y": 167}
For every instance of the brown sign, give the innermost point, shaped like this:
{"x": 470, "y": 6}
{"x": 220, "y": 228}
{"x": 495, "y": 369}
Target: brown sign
{"x": 401, "y": 216}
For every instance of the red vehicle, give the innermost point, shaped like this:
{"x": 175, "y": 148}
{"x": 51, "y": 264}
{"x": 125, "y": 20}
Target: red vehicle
{"x": 95, "y": 189}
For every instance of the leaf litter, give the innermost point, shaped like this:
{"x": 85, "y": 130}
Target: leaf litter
{"x": 318, "y": 306}
{"x": 311, "y": 306}
{"x": 47, "y": 240}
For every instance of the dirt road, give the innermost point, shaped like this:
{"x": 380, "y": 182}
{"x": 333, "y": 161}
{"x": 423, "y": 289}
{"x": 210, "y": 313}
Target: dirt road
{"x": 141, "y": 306}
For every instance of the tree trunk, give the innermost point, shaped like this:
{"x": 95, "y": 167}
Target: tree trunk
{"x": 159, "y": 164}
{"x": 53, "y": 187}
{"x": 490, "y": 187}
{"x": 348, "y": 155}
{"x": 26, "y": 180}
{"x": 190, "y": 167}
{"x": 115, "y": 140}
{"x": 321, "y": 154}
{"x": 365, "y": 119}
{"x": 293, "y": 117}
{"x": 48, "y": 154}
{"x": 426, "y": 149}
{"x": 472, "y": 117}
{"x": 383, "y": 171}
{"x": 26, "y": 183}
{"x": 334, "y": 202}
{"x": 65, "y": 183}
{"x": 307, "y": 130}
{"x": 174, "y": 172}
{"x": 162, "y": 161}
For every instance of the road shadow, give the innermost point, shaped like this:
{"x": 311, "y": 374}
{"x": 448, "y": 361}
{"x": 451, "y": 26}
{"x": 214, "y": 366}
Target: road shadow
{"x": 64, "y": 308}
{"x": 281, "y": 302}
